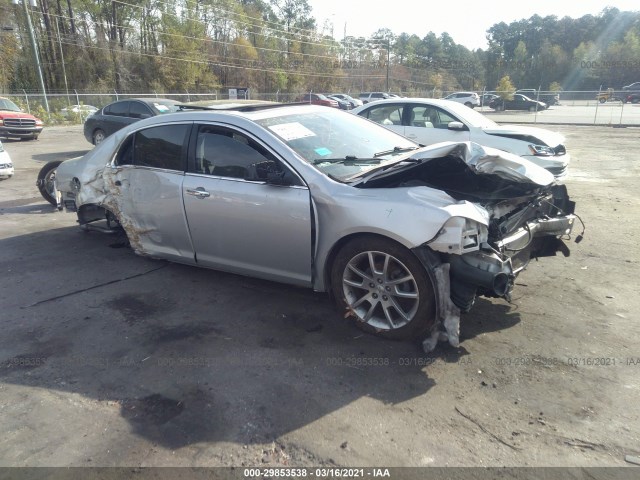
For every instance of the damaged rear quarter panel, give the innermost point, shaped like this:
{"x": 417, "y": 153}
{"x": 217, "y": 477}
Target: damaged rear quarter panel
{"x": 98, "y": 186}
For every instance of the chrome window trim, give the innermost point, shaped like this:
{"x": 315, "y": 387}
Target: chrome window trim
{"x": 234, "y": 179}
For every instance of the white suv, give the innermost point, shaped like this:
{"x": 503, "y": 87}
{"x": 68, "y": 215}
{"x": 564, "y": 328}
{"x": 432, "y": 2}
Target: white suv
{"x": 470, "y": 99}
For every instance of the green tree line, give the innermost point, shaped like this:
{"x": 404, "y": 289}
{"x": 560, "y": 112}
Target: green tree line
{"x": 277, "y": 45}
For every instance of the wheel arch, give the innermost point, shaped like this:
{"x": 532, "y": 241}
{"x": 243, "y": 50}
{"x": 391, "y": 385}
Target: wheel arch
{"x": 92, "y": 212}
{"x": 427, "y": 257}
{"x": 432, "y": 269}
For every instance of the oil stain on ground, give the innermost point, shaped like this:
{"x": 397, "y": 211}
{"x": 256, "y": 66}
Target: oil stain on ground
{"x": 135, "y": 307}
{"x": 155, "y": 409}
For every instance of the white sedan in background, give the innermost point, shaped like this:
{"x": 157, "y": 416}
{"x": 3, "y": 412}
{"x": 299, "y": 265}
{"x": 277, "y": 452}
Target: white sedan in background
{"x": 83, "y": 110}
{"x": 428, "y": 121}
{"x": 6, "y": 166}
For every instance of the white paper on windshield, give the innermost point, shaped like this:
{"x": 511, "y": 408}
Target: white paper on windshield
{"x": 160, "y": 107}
{"x": 292, "y": 131}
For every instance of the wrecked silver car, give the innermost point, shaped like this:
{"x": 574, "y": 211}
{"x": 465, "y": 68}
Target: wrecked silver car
{"x": 403, "y": 237}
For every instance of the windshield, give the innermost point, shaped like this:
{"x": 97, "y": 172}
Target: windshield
{"x": 337, "y": 143}
{"x": 6, "y": 104}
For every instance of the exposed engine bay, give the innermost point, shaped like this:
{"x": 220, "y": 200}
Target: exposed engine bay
{"x": 526, "y": 220}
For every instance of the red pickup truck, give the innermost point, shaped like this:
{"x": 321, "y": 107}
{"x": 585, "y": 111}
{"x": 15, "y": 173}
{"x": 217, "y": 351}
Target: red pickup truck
{"x": 16, "y": 123}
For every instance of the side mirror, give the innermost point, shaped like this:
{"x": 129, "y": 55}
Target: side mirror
{"x": 456, "y": 126}
{"x": 278, "y": 178}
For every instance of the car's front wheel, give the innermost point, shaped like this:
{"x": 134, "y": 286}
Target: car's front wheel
{"x": 384, "y": 288}
{"x": 98, "y": 137}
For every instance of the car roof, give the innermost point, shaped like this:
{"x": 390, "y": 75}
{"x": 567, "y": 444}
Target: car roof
{"x": 148, "y": 100}
{"x": 248, "y": 112}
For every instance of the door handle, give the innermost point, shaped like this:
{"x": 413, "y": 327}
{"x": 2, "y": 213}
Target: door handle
{"x": 198, "y": 192}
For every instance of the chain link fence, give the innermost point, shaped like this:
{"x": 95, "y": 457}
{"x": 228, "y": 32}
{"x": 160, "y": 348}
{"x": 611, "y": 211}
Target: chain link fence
{"x": 595, "y": 107}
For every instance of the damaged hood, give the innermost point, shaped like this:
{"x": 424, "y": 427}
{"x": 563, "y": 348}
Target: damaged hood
{"x": 482, "y": 161}
{"x": 550, "y": 139}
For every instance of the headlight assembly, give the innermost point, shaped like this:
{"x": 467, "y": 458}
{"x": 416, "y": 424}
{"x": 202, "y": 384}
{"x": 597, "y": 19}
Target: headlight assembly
{"x": 459, "y": 235}
{"x": 541, "y": 150}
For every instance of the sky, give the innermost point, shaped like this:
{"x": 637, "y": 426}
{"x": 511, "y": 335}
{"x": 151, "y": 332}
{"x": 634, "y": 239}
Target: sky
{"x": 466, "y": 21}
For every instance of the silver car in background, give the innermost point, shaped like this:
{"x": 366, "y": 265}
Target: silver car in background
{"x": 403, "y": 237}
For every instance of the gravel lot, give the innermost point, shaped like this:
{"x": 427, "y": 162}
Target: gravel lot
{"x": 109, "y": 359}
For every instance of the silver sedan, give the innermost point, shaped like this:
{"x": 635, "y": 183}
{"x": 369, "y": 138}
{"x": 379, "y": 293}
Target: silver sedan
{"x": 403, "y": 237}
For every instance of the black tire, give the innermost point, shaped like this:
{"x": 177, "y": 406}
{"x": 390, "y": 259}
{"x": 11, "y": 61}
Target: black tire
{"x": 602, "y": 100}
{"x": 374, "y": 298}
{"x": 98, "y": 136}
{"x": 469, "y": 104}
{"x": 45, "y": 181}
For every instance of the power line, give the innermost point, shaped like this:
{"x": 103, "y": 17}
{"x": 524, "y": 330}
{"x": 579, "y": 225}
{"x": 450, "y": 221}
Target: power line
{"x": 219, "y": 64}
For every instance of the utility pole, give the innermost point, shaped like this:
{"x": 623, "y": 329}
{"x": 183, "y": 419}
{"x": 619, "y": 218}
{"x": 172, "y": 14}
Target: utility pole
{"x": 35, "y": 48}
{"x": 378, "y": 39}
{"x": 388, "y": 60}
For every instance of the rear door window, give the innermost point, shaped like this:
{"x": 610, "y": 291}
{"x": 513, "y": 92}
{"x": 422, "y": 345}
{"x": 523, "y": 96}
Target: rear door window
{"x": 156, "y": 147}
{"x": 120, "y": 109}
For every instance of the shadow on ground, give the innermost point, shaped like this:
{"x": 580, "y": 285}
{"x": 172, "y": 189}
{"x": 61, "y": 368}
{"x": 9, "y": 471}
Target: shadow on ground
{"x": 192, "y": 355}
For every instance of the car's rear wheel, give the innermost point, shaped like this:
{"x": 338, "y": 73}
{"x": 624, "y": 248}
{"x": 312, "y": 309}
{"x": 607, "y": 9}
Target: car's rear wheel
{"x": 45, "y": 182}
{"x": 602, "y": 100}
{"x": 384, "y": 288}
{"x": 98, "y": 136}
{"x": 469, "y": 104}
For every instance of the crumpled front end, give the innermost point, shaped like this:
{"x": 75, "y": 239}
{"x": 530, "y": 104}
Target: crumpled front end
{"x": 525, "y": 215}
{"x": 519, "y": 230}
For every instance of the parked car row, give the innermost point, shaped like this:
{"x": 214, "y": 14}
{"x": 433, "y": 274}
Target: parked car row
{"x": 336, "y": 100}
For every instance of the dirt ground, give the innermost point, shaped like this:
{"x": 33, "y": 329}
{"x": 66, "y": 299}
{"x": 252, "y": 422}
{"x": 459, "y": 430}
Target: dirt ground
{"x": 109, "y": 359}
